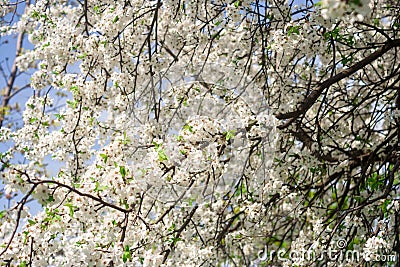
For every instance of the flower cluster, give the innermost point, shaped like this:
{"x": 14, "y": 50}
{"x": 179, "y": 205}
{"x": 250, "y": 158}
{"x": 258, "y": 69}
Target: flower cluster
{"x": 187, "y": 133}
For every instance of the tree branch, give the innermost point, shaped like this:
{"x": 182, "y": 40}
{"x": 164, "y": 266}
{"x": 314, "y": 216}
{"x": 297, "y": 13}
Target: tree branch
{"x": 310, "y": 100}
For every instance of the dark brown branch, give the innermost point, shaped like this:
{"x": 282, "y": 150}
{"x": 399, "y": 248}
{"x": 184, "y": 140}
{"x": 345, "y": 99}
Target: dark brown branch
{"x": 310, "y": 100}
{"x": 11, "y": 79}
{"x": 179, "y": 232}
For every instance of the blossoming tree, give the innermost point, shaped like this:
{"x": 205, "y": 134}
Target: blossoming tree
{"x": 201, "y": 133}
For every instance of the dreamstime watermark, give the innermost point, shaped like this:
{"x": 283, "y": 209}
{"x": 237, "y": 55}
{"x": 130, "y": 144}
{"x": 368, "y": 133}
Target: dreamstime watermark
{"x": 337, "y": 253}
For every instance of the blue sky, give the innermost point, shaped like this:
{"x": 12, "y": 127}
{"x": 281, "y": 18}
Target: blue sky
{"x": 7, "y": 57}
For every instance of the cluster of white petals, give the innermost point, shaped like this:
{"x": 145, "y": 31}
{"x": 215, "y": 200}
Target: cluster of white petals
{"x": 189, "y": 133}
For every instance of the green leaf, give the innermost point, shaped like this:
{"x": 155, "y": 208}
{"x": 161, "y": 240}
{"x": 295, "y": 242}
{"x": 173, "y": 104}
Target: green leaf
{"x": 188, "y": 128}
{"x": 35, "y": 14}
{"x": 346, "y": 60}
{"x": 49, "y": 199}
{"x": 2, "y": 214}
{"x": 355, "y": 2}
{"x": 71, "y": 208}
{"x": 99, "y": 188}
{"x": 240, "y": 190}
{"x": 52, "y": 217}
{"x": 161, "y": 155}
{"x": 74, "y": 89}
{"x": 156, "y": 146}
{"x": 293, "y": 30}
{"x": 172, "y": 227}
{"x": 334, "y": 34}
{"x": 126, "y": 140}
{"x": 31, "y": 222}
{"x": 192, "y": 201}
{"x": 229, "y": 135}
{"x": 174, "y": 240}
{"x": 97, "y": 9}
{"x": 104, "y": 157}
{"x": 122, "y": 171}
{"x": 26, "y": 233}
{"x": 72, "y": 104}
{"x": 116, "y": 18}
{"x": 384, "y": 206}
{"x": 127, "y": 254}
{"x": 216, "y": 36}
{"x": 59, "y": 117}
{"x": 82, "y": 56}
